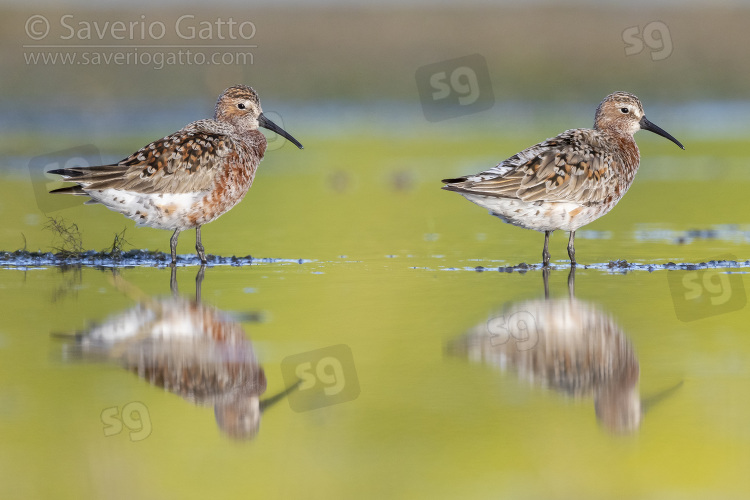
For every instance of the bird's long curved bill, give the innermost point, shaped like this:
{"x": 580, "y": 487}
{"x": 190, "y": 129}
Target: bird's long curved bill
{"x": 647, "y": 125}
{"x": 266, "y": 123}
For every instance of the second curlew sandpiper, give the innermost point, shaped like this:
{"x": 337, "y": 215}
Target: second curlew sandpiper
{"x": 567, "y": 181}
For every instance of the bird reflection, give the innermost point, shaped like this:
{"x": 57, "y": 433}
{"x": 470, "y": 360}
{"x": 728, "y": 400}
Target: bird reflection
{"x": 190, "y": 349}
{"x": 569, "y": 346}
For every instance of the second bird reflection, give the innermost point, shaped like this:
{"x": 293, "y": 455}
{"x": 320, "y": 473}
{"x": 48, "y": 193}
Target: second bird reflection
{"x": 569, "y": 346}
{"x": 185, "y": 347}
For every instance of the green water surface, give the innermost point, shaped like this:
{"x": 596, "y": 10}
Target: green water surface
{"x": 389, "y": 277}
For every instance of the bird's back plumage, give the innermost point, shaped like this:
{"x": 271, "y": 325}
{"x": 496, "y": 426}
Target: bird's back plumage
{"x": 186, "y": 161}
{"x": 576, "y": 166}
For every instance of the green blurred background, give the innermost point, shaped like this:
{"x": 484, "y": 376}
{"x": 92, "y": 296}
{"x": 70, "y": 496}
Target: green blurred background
{"x": 353, "y": 51}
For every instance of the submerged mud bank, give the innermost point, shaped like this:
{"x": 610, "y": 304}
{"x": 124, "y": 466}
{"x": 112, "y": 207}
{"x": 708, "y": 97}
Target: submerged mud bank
{"x": 132, "y": 258}
{"x": 622, "y": 266}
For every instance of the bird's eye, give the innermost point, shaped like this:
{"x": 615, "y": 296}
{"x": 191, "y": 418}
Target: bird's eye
{"x": 624, "y": 110}
{"x": 241, "y": 105}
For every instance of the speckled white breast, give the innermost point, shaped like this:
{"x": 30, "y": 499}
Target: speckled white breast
{"x": 540, "y": 215}
{"x": 161, "y": 211}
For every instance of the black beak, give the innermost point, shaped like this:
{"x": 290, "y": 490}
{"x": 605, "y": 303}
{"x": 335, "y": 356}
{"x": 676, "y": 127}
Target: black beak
{"x": 266, "y": 123}
{"x": 647, "y": 125}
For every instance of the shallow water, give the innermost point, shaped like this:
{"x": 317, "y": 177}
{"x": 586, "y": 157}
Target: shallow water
{"x": 360, "y": 305}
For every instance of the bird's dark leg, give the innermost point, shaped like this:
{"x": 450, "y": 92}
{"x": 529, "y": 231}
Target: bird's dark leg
{"x": 572, "y": 248}
{"x": 545, "y": 252}
{"x": 173, "y": 245}
{"x": 199, "y": 246}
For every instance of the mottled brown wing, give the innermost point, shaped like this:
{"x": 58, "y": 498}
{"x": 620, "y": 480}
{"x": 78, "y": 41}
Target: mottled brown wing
{"x": 559, "y": 169}
{"x": 184, "y": 162}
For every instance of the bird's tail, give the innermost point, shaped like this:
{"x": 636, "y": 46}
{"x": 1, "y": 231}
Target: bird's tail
{"x": 74, "y": 190}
